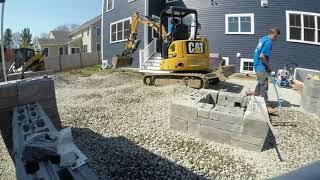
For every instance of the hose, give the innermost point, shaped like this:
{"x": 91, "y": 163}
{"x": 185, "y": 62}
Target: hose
{"x": 276, "y": 90}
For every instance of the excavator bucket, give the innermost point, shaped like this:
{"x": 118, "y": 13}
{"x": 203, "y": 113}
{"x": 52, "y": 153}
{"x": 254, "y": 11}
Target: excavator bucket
{"x": 119, "y": 61}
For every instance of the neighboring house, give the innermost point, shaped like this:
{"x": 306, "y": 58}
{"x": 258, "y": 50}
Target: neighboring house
{"x": 86, "y": 39}
{"x": 233, "y": 28}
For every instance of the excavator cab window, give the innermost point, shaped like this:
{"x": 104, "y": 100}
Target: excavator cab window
{"x": 185, "y": 25}
{"x": 22, "y": 55}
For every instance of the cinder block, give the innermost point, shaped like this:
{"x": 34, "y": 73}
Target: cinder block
{"x": 8, "y": 89}
{"x": 246, "y": 146}
{"x": 214, "y": 94}
{"x": 8, "y": 102}
{"x": 237, "y": 98}
{"x": 179, "y": 124}
{"x": 220, "y": 125}
{"x": 32, "y": 90}
{"x": 312, "y": 90}
{"x": 226, "y": 116}
{"x": 248, "y": 139}
{"x": 204, "y": 111}
{"x": 215, "y": 134}
{"x": 255, "y": 125}
{"x": 184, "y": 110}
{"x": 194, "y": 129}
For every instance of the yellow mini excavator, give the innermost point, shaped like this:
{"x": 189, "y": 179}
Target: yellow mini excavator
{"x": 185, "y": 56}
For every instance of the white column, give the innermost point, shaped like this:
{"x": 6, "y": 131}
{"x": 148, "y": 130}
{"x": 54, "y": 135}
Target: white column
{"x": 2, "y": 47}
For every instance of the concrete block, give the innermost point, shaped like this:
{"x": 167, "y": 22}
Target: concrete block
{"x": 8, "y": 89}
{"x": 248, "y": 139}
{"x": 226, "y": 116}
{"x": 310, "y": 104}
{"x": 237, "y": 98}
{"x": 204, "y": 111}
{"x": 214, "y": 94}
{"x": 179, "y": 124}
{"x": 33, "y": 90}
{"x": 312, "y": 90}
{"x": 184, "y": 110}
{"x": 215, "y": 134}
{"x": 8, "y": 102}
{"x": 220, "y": 125}
{"x": 246, "y": 146}
{"x": 255, "y": 125}
{"x": 194, "y": 129}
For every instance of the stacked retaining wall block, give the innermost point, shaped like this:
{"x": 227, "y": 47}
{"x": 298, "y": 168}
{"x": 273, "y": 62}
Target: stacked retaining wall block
{"x": 310, "y": 100}
{"x": 19, "y": 92}
{"x": 223, "y": 117}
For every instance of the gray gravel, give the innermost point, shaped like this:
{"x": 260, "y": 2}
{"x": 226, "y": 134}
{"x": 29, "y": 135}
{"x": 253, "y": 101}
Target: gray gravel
{"x": 122, "y": 126}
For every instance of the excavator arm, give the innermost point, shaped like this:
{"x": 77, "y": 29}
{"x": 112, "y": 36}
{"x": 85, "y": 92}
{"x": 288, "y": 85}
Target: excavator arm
{"x": 133, "y": 43}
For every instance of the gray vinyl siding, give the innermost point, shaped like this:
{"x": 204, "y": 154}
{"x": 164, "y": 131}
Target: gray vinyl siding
{"x": 212, "y": 19}
{"x": 122, "y": 10}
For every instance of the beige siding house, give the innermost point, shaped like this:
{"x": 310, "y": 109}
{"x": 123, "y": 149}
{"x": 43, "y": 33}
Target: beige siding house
{"x": 85, "y": 39}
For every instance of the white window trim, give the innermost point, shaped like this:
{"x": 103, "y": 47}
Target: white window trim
{"x": 130, "y": 1}
{"x": 107, "y": 5}
{"x": 242, "y": 60}
{"x": 112, "y": 42}
{"x": 239, "y": 15}
{"x": 302, "y": 27}
{"x": 170, "y": 1}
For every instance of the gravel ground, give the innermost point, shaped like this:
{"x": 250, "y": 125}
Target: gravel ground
{"x": 122, "y": 126}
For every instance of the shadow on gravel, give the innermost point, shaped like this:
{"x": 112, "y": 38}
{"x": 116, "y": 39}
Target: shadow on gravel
{"x": 284, "y": 103}
{"x": 120, "y": 158}
{"x": 271, "y": 143}
{"x": 228, "y": 87}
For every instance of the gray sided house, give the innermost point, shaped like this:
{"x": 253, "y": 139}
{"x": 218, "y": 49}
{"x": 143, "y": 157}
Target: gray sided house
{"x": 233, "y": 29}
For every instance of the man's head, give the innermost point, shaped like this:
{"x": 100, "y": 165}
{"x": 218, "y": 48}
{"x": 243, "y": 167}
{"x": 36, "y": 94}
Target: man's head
{"x": 274, "y": 33}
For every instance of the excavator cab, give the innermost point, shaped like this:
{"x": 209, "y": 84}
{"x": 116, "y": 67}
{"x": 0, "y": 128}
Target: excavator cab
{"x": 182, "y": 50}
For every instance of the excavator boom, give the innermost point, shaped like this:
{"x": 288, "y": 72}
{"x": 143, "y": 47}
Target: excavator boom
{"x": 132, "y": 44}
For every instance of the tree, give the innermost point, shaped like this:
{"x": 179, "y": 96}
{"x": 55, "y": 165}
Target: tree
{"x": 16, "y": 37}
{"x": 66, "y": 27}
{"x": 8, "y": 38}
{"x": 26, "y": 36}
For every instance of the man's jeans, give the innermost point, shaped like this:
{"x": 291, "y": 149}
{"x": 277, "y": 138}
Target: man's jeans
{"x": 262, "y": 86}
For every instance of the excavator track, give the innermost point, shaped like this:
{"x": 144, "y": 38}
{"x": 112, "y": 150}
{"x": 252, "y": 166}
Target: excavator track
{"x": 193, "y": 80}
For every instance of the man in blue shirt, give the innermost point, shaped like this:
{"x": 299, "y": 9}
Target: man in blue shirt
{"x": 261, "y": 64}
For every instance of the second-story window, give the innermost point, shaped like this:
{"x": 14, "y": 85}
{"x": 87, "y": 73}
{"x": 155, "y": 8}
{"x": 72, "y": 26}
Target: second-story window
{"x": 98, "y": 31}
{"x": 239, "y": 23}
{"x": 110, "y": 5}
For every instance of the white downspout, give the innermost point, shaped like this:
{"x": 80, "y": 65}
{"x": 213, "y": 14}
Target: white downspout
{"x": 102, "y": 30}
{"x": 146, "y": 32}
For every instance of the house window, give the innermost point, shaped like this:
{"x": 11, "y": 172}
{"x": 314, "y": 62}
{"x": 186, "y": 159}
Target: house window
{"x": 98, "y": 47}
{"x": 246, "y": 66}
{"x": 98, "y": 31}
{"x": 110, "y": 5}
{"x": 75, "y": 50}
{"x": 239, "y": 23}
{"x": 66, "y": 50}
{"x": 120, "y": 30}
{"x": 170, "y": 1}
{"x": 61, "y": 51}
{"x": 46, "y": 52}
{"x": 303, "y": 27}
{"x": 85, "y": 49}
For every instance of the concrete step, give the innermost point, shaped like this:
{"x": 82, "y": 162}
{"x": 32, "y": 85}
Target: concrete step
{"x": 154, "y": 60}
{"x": 153, "y": 71}
{"x": 152, "y": 64}
{"x": 151, "y": 68}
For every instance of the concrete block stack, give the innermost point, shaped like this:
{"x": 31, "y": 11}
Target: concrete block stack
{"x": 19, "y": 92}
{"x": 310, "y": 100}
{"x": 223, "y": 117}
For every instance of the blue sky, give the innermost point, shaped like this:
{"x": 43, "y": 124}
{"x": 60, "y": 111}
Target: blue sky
{"x": 41, "y": 16}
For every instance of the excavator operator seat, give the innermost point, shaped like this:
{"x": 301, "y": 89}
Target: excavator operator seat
{"x": 181, "y": 32}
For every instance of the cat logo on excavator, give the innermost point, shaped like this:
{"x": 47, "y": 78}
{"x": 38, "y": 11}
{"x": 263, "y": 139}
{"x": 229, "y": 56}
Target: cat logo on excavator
{"x": 195, "y": 47}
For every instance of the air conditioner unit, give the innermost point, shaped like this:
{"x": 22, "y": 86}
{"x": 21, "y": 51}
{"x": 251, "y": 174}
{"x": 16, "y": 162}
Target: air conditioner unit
{"x": 264, "y": 3}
